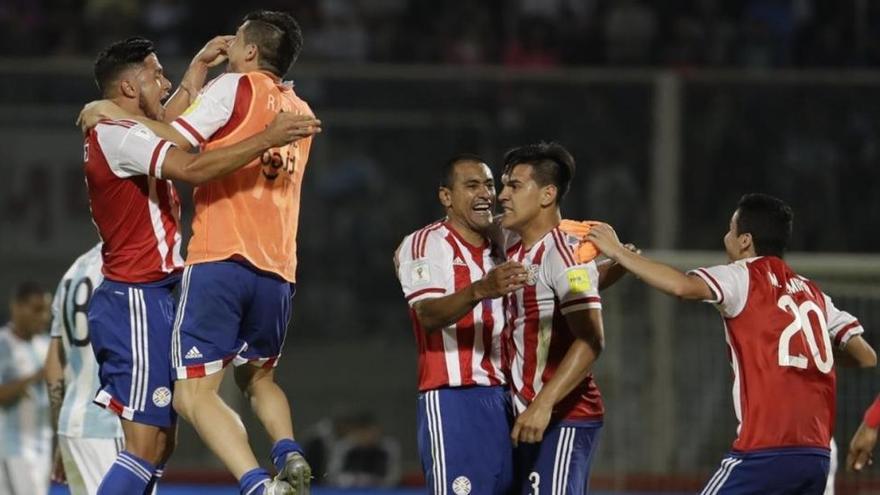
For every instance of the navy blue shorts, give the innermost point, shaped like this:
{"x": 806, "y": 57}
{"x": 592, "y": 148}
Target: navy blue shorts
{"x": 130, "y": 329}
{"x": 464, "y": 440}
{"x": 800, "y": 471}
{"x": 228, "y": 312}
{"x": 560, "y": 463}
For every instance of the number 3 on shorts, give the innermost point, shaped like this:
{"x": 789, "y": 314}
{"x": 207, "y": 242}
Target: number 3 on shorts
{"x": 535, "y": 478}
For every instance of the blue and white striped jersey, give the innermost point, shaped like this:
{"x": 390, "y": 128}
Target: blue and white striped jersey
{"x": 79, "y": 417}
{"x": 25, "y": 430}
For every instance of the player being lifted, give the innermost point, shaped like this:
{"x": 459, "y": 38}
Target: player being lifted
{"x": 781, "y": 330}
{"x": 136, "y": 210}
{"x": 555, "y": 327}
{"x": 241, "y": 261}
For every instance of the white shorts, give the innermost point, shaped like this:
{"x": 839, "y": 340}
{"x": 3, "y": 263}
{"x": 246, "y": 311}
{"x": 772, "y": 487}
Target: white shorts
{"x": 22, "y": 476}
{"x": 87, "y": 460}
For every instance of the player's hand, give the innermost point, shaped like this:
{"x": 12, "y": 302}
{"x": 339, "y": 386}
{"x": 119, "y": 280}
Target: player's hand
{"x": 288, "y": 127}
{"x": 605, "y": 238}
{"x": 58, "y": 475}
{"x": 502, "y": 280}
{"x": 214, "y": 51}
{"x": 96, "y": 111}
{"x": 861, "y": 448}
{"x": 531, "y": 424}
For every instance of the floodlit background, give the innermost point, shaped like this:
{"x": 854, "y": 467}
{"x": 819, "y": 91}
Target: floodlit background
{"x": 673, "y": 109}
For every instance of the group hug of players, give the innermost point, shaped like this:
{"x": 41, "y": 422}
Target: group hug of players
{"x": 507, "y": 314}
{"x": 503, "y": 294}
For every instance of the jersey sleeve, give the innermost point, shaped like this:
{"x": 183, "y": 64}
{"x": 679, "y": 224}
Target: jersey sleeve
{"x": 842, "y": 326}
{"x": 576, "y": 285}
{"x": 132, "y": 149}
{"x": 729, "y": 285}
{"x": 424, "y": 267}
{"x": 55, "y": 330}
{"x": 212, "y": 108}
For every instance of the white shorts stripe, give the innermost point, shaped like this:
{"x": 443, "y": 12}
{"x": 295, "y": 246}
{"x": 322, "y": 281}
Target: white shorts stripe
{"x": 145, "y": 347}
{"x": 132, "y": 315}
{"x": 176, "y": 359}
{"x": 141, "y": 355}
{"x": 556, "y": 471}
{"x": 721, "y": 476}
{"x": 438, "y": 450}
{"x": 569, "y": 449}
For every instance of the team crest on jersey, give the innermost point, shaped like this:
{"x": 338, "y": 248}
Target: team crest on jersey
{"x": 579, "y": 280}
{"x": 420, "y": 273}
{"x": 461, "y": 486}
{"x": 162, "y": 397}
{"x": 532, "y": 271}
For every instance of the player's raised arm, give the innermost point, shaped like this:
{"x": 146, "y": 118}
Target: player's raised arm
{"x": 439, "y": 312}
{"x": 211, "y": 55}
{"x": 196, "y": 169}
{"x": 653, "y": 273}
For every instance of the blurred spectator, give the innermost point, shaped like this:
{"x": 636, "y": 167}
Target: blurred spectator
{"x": 364, "y": 456}
{"x": 535, "y": 45}
{"x": 352, "y": 451}
{"x": 630, "y": 29}
{"x": 341, "y": 34}
{"x": 164, "y": 21}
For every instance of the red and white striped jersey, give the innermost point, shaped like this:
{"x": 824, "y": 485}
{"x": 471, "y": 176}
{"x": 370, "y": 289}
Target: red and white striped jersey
{"x": 136, "y": 212}
{"x": 537, "y": 334}
{"x": 434, "y": 262}
{"x": 780, "y": 329}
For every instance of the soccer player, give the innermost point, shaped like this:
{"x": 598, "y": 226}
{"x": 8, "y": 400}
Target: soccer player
{"x": 453, "y": 278}
{"x": 781, "y": 330}
{"x": 87, "y": 437}
{"x": 25, "y": 432}
{"x": 136, "y": 210}
{"x": 241, "y": 265}
{"x": 555, "y": 327}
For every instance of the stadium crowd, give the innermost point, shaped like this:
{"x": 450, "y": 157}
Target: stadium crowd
{"x": 535, "y": 33}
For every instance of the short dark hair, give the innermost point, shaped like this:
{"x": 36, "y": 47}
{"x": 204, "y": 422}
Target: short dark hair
{"x": 448, "y": 170}
{"x": 278, "y": 38}
{"x": 551, "y": 164}
{"x": 26, "y": 290}
{"x": 118, "y": 57}
{"x": 768, "y": 219}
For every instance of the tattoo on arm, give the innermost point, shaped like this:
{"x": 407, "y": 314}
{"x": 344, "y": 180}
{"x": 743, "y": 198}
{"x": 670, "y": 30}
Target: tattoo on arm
{"x": 56, "y": 397}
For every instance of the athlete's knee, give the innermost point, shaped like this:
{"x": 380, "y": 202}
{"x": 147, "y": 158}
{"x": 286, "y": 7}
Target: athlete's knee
{"x": 252, "y": 378}
{"x": 149, "y": 443}
{"x": 184, "y": 401}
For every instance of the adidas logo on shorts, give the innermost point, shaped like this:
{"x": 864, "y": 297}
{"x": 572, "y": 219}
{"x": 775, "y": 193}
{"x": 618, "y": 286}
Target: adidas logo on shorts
{"x": 193, "y": 353}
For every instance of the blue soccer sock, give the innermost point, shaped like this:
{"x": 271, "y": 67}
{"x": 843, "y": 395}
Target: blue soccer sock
{"x": 253, "y": 482}
{"x": 281, "y": 449}
{"x": 157, "y": 475}
{"x": 129, "y": 474}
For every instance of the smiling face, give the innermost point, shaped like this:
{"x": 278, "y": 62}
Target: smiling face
{"x": 522, "y": 198}
{"x": 470, "y": 198}
{"x": 153, "y": 87}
